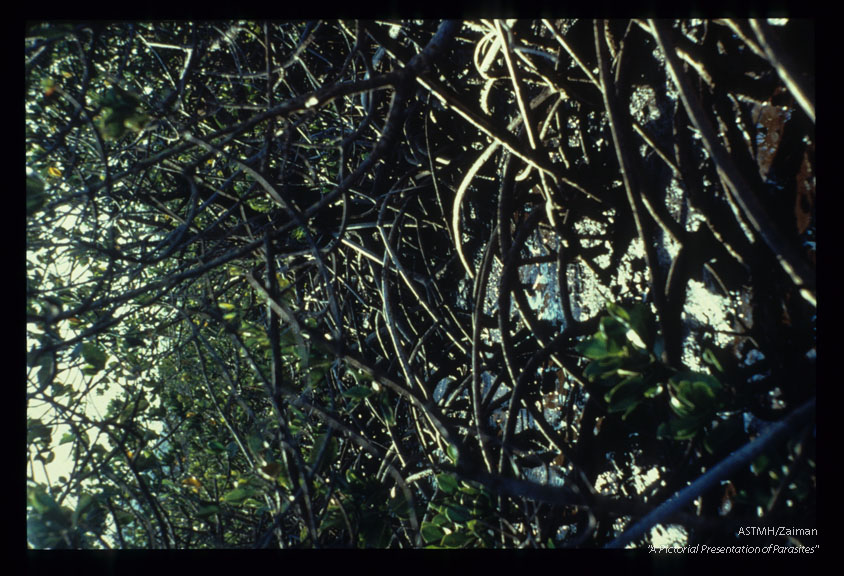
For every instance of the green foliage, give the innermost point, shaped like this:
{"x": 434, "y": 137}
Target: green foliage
{"x": 241, "y": 495}
{"x": 51, "y": 525}
{"x": 460, "y": 516}
{"x": 324, "y": 451}
{"x": 370, "y": 508}
{"x": 623, "y": 368}
{"x": 120, "y": 113}
{"x": 95, "y": 357}
{"x": 695, "y": 399}
{"x": 298, "y": 234}
{"x": 630, "y": 374}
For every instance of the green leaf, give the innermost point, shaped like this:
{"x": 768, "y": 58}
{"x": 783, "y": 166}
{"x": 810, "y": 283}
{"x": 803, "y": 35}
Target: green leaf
{"x": 441, "y": 520}
{"x": 40, "y": 500}
{"x": 634, "y": 318}
{"x": 358, "y": 392}
{"x": 468, "y": 488}
{"x": 457, "y": 513}
{"x": 710, "y": 358}
{"x": 447, "y": 483}
{"x": 37, "y": 430}
{"x": 653, "y": 391}
{"x": 603, "y": 369}
{"x": 452, "y": 453}
{"x": 386, "y": 409}
{"x": 94, "y": 356}
{"x": 255, "y": 443}
{"x": 694, "y": 393}
{"x": 333, "y": 518}
{"x": 594, "y": 347}
{"x": 45, "y": 371}
{"x": 120, "y": 113}
{"x": 625, "y": 396}
{"x": 681, "y": 428}
{"x": 239, "y": 495}
{"x": 46, "y": 457}
{"x": 298, "y": 233}
{"x": 686, "y": 430}
{"x": 457, "y": 539}
{"x": 431, "y": 532}
{"x": 208, "y": 511}
{"x": 615, "y": 333}
{"x": 90, "y": 514}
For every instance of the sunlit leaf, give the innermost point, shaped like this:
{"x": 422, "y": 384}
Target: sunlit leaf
{"x": 238, "y": 495}
{"x": 452, "y": 453}
{"x": 635, "y": 318}
{"x": 710, "y": 358}
{"x": 192, "y": 482}
{"x": 694, "y": 393}
{"x": 594, "y": 347}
